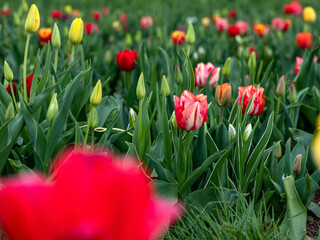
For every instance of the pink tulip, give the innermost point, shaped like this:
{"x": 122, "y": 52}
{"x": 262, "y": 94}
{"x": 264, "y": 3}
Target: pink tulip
{"x": 221, "y": 24}
{"x": 299, "y": 61}
{"x": 243, "y": 27}
{"x": 190, "y": 110}
{"x": 246, "y": 93}
{"x": 202, "y": 73}
{"x": 90, "y": 195}
{"x": 145, "y": 22}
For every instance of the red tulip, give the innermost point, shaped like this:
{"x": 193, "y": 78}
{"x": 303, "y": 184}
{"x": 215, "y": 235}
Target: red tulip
{"x": 304, "y": 40}
{"x": 91, "y": 28}
{"x": 96, "y": 15}
{"x": 190, "y": 110}
{"x": 126, "y": 58}
{"x": 123, "y": 18}
{"x": 8, "y": 88}
{"x": 258, "y": 102}
{"x": 91, "y": 195}
{"x": 299, "y": 61}
{"x": 293, "y": 8}
{"x": 232, "y": 14}
{"x": 233, "y": 31}
{"x": 5, "y": 12}
{"x": 178, "y": 37}
{"x": 45, "y": 35}
{"x": 145, "y": 22}
{"x": 29, "y": 83}
{"x": 56, "y": 14}
{"x": 243, "y": 27}
{"x": 253, "y": 49}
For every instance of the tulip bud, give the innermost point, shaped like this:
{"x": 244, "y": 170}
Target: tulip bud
{"x": 9, "y": 112}
{"x": 252, "y": 63}
{"x": 132, "y": 117}
{"x": 24, "y": 6}
{"x": 93, "y": 119}
{"x": 296, "y": 167}
{"x": 226, "y": 68}
{"x": 232, "y": 132}
{"x": 278, "y": 151}
{"x": 138, "y": 37}
{"x": 128, "y": 39}
{"x": 165, "y": 89}
{"x": 108, "y": 56}
{"x": 223, "y": 94}
{"x": 141, "y": 90}
{"x": 173, "y": 121}
{"x": 96, "y": 94}
{"x": 55, "y": 40}
{"x": 159, "y": 33}
{"x": 8, "y": 74}
{"x": 281, "y": 87}
{"x": 32, "y": 23}
{"x": 293, "y": 93}
{"x": 76, "y": 31}
{"x": 191, "y": 36}
{"x": 53, "y": 109}
{"x": 178, "y": 74}
{"x": 247, "y": 132}
{"x": 16, "y": 19}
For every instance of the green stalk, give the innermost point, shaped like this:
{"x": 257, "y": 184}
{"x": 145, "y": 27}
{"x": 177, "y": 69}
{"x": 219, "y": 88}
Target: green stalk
{"x": 14, "y": 98}
{"x": 72, "y": 52}
{"x": 140, "y": 140}
{"x": 277, "y": 110}
{"x": 187, "y": 154}
{"x": 127, "y": 80}
{"x": 87, "y": 133}
{"x": 25, "y": 68}
{"x": 92, "y": 138}
{"x": 221, "y": 115}
{"x": 55, "y": 64}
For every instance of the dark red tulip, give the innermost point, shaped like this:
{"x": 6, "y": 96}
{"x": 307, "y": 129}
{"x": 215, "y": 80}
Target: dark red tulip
{"x": 232, "y": 14}
{"x": 56, "y": 14}
{"x": 91, "y": 28}
{"x": 14, "y": 88}
{"x": 96, "y": 15}
{"x": 233, "y": 31}
{"x": 126, "y": 58}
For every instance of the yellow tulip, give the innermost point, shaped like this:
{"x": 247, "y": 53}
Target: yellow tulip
{"x": 315, "y": 147}
{"x": 68, "y": 9}
{"x": 309, "y": 15}
{"x": 96, "y": 94}
{"x": 32, "y": 23}
{"x": 76, "y": 31}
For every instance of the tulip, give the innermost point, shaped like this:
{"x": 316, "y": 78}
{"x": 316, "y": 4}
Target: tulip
{"x": 45, "y": 35}
{"x": 8, "y": 74}
{"x": 243, "y": 27}
{"x": 296, "y": 166}
{"x": 190, "y": 110}
{"x": 304, "y": 40}
{"x": 145, "y": 22}
{"x": 141, "y": 90}
{"x": 221, "y": 24}
{"x": 56, "y": 14}
{"x": 293, "y": 8}
{"x": 247, "y": 132}
{"x": 232, "y": 14}
{"x": 55, "y": 40}
{"x": 91, "y": 195}
{"x": 132, "y": 117}
{"x": 299, "y": 61}
{"x": 178, "y": 37}
{"x": 277, "y": 23}
{"x": 68, "y": 9}
{"x": 202, "y": 72}
{"x": 76, "y": 12}
{"x": 191, "y": 36}
{"x": 256, "y": 93}
{"x": 93, "y": 119}
{"x": 53, "y": 109}
{"x": 223, "y": 94}
{"x": 96, "y": 95}
{"x": 281, "y": 87}
{"x": 287, "y": 24}
{"x": 91, "y": 28}
{"x": 292, "y": 94}
{"x": 232, "y": 132}
{"x": 260, "y": 29}
{"x": 278, "y": 151}
{"x": 5, "y": 12}
{"x": 76, "y": 31}
{"x": 96, "y": 15}
{"x": 178, "y": 75}
{"x": 126, "y": 58}
{"x": 226, "y": 68}
{"x": 215, "y": 17}
{"x": 165, "y": 89}
{"x": 9, "y": 112}
{"x": 32, "y": 23}
{"x": 14, "y": 88}
{"x": 105, "y": 11}
{"x": 233, "y": 31}
{"x": 205, "y": 22}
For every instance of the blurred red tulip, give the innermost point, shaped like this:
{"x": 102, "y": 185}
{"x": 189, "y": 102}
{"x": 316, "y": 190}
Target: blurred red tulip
{"x": 96, "y": 15}
{"x": 243, "y": 27}
{"x": 91, "y": 195}
{"x": 8, "y": 88}
{"x": 123, "y": 18}
{"x": 126, "y": 58}
{"x": 29, "y": 83}
{"x": 293, "y": 8}
{"x": 304, "y": 40}
{"x": 178, "y": 37}
{"x": 233, "y": 31}
{"x": 91, "y": 28}
{"x": 221, "y": 24}
{"x": 232, "y": 14}
{"x": 45, "y": 35}
{"x": 56, "y": 14}
{"x": 190, "y": 110}
{"x": 105, "y": 11}
{"x": 281, "y": 24}
{"x": 5, "y": 12}
{"x": 253, "y": 49}
{"x": 258, "y": 101}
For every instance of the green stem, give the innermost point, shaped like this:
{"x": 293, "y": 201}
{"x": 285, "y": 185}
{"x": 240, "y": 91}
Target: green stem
{"x": 187, "y": 154}
{"x": 221, "y": 115}
{"x": 127, "y": 80}
{"x": 25, "y": 68}
{"x": 72, "y": 52}
{"x": 14, "y": 98}
{"x": 140, "y": 132}
{"x": 92, "y": 138}
{"x": 87, "y": 133}
{"x": 292, "y": 117}
{"x": 277, "y": 110}
{"x": 251, "y": 76}
{"x": 55, "y": 65}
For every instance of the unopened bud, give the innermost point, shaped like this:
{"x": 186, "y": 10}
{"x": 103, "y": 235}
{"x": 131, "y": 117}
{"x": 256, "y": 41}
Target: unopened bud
{"x": 191, "y": 36}
{"x": 173, "y": 121}
{"x": 281, "y": 87}
{"x": 223, "y": 94}
{"x": 8, "y": 74}
{"x": 141, "y": 90}
{"x": 232, "y": 132}
{"x": 178, "y": 75}
{"x": 247, "y": 132}
{"x": 252, "y": 63}
{"x": 9, "y": 112}
{"x": 138, "y": 37}
{"x": 96, "y": 94}
{"x": 226, "y": 68}
{"x": 56, "y": 41}
{"x": 165, "y": 89}
{"x": 132, "y": 117}
{"x": 292, "y": 94}
{"x": 93, "y": 119}
{"x": 278, "y": 151}
{"x": 53, "y": 109}
{"x": 128, "y": 39}
{"x": 296, "y": 167}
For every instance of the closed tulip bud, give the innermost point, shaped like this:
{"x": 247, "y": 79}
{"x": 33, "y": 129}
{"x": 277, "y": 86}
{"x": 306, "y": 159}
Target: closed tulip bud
{"x": 55, "y": 40}
{"x": 226, "y": 68}
{"x": 247, "y": 132}
{"x": 128, "y": 39}
{"x": 138, "y": 37}
{"x": 8, "y": 74}
{"x": 93, "y": 119}
{"x": 159, "y": 33}
{"x": 173, "y": 121}
{"x": 132, "y": 117}
{"x": 53, "y": 109}
{"x": 16, "y": 19}
{"x": 141, "y": 90}
{"x": 232, "y": 132}
{"x": 292, "y": 94}
{"x": 252, "y": 63}
{"x": 165, "y": 89}
{"x": 281, "y": 87}
{"x": 96, "y": 94}
{"x": 278, "y": 151}
{"x": 24, "y": 6}
{"x": 191, "y": 36}
{"x": 309, "y": 15}
{"x": 9, "y": 112}
{"x": 178, "y": 75}
{"x": 32, "y": 23}
{"x": 223, "y": 94}
{"x": 296, "y": 167}
{"x": 76, "y": 31}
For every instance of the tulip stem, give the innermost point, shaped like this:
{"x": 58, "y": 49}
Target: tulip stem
{"x": 92, "y": 138}
{"x": 277, "y": 110}
{"x": 221, "y": 115}
{"x": 87, "y": 133}
{"x": 127, "y": 80}
{"x": 72, "y": 52}
{"x": 25, "y": 68}
{"x": 14, "y": 98}
{"x": 55, "y": 65}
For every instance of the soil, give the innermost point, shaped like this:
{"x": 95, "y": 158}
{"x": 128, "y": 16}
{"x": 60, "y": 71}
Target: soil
{"x": 313, "y": 222}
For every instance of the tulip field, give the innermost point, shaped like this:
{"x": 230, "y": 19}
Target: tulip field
{"x": 159, "y": 120}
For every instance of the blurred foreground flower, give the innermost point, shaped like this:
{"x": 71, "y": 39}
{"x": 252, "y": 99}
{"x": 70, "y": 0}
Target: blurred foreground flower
{"x": 304, "y": 40}
{"x": 257, "y": 94}
{"x": 315, "y": 146}
{"x": 190, "y": 110}
{"x": 126, "y": 58}
{"x": 91, "y": 195}
{"x": 178, "y": 37}
{"x": 45, "y": 35}
{"x": 202, "y": 73}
